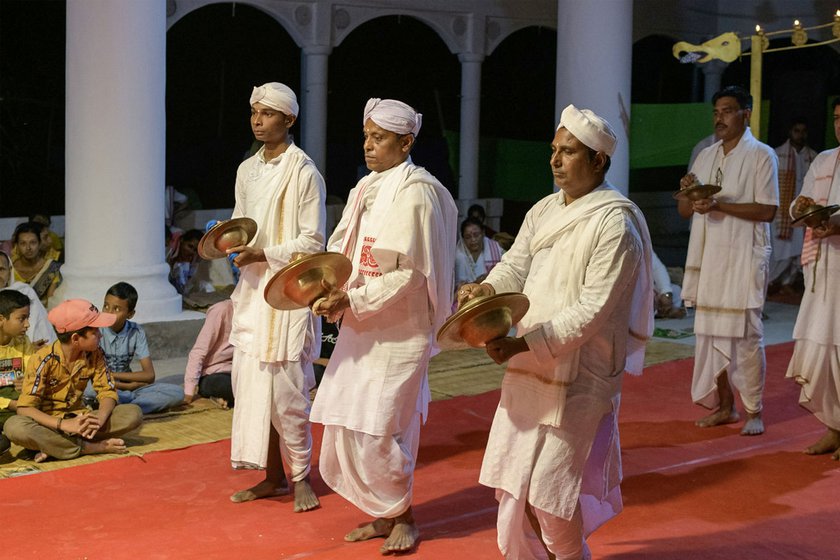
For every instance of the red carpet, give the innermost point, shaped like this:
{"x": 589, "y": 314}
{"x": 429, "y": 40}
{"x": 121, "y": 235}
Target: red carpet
{"x": 689, "y": 492}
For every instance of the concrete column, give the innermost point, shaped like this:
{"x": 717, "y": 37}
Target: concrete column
{"x": 314, "y": 63}
{"x": 115, "y": 154}
{"x": 470, "y": 124}
{"x": 594, "y": 59}
{"x": 712, "y": 76}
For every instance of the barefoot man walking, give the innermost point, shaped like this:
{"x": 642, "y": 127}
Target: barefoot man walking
{"x": 399, "y": 229}
{"x": 280, "y": 188}
{"x": 726, "y": 270}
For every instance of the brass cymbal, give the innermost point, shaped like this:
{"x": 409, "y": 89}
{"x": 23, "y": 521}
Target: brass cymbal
{"x": 225, "y": 235}
{"x": 697, "y": 192}
{"x": 483, "y": 319}
{"x": 301, "y": 282}
{"x": 815, "y": 215}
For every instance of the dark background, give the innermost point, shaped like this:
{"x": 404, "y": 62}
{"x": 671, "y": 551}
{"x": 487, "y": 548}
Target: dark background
{"x": 215, "y": 55}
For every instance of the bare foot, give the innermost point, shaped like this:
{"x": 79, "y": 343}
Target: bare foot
{"x": 836, "y": 455}
{"x": 754, "y": 426}
{"x": 305, "y": 498}
{"x": 40, "y": 457}
{"x": 377, "y": 528}
{"x": 111, "y": 445}
{"x": 403, "y": 537}
{"x": 220, "y": 402}
{"x": 826, "y": 444}
{"x": 718, "y": 418}
{"x": 265, "y": 489}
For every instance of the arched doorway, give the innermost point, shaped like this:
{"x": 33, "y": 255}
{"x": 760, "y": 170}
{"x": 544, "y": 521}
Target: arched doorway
{"x": 396, "y": 57}
{"x": 215, "y": 56}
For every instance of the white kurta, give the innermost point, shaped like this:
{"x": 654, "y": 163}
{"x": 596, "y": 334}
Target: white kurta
{"x": 555, "y": 443}
{"x": 285, "y": 196}
{"x": 399, "y": 229}
{"x": 726, "y": 271}
{"x": 816, "y": 356}
{"x": 786, "y": 250}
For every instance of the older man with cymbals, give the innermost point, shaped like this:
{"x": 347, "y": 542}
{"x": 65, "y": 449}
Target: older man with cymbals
{"x": 583, "y": 258}
{"x": 399, "y": 230}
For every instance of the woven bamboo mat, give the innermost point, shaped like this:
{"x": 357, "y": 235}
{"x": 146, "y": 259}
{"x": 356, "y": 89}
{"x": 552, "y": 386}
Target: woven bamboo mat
{"x": 451, "y": 374}
{"x": 200, "y": 422}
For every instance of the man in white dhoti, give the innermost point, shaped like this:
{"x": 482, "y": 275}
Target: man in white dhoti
{"x": 280, "y": 188}
{"x": 583, "y": 258}
{"x": 727, "y": 264}
{"x": 815, "y": 364}
{"x": 399, "y": 229}
{"x": 794, "y": 159}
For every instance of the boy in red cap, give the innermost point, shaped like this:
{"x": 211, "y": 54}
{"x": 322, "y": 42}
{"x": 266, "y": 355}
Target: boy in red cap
{"x": 52, "y": 419}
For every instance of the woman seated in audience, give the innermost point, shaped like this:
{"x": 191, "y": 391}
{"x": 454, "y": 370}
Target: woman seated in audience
{"x": 40, "y": 330}
{"x": 476, "y": 254}
{"x": 31, "y": 265}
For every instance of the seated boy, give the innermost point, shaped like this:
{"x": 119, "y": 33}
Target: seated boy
{"x": 51, "y": 418}
{"x": 211, "y": 358}
{"x": 15, "y": 349}
{"x": 125, "y": 340}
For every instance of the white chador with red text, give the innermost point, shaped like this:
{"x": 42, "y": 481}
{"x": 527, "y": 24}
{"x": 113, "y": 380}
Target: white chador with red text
{"x": 815, "y": 364}
{"x": 399, "y": 230}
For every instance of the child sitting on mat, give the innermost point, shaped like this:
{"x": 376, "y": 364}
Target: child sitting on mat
{"x": 51, "y": 417}
{"x": 124, "y": 341}
{"x": 15, "y": 349}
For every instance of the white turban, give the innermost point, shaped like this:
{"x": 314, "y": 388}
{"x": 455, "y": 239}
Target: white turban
{"x": 393, "y": 115}
{"x": 277, "y": 96}
{"x": 589, "y": 128}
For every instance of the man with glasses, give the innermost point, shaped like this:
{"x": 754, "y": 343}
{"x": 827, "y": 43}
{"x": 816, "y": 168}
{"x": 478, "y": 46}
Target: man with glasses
{"x": 726, "y": 270}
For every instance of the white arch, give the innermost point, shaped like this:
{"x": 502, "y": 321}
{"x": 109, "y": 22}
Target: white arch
{"x": 463, "y": 29}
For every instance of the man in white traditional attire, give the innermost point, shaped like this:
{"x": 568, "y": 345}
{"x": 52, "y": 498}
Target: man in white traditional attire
{"x": 280, "y": 188}
{"x": 399, "y": 229}
{"x": 726, "y": 270}
{"x": 794, "y": 159}
{"x": 815, "y": 364}
{"x": 583, "y": 258}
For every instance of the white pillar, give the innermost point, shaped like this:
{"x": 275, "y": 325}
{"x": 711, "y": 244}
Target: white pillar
{"x": 594, "y": 58}
{"x": 314, "y": 63}
{"x": 470, "y": 124}
{"x": 115, "y": 153}
{"x": 712, "y": 77}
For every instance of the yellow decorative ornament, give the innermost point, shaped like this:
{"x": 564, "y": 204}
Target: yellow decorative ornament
{"x": 726, "y": 47}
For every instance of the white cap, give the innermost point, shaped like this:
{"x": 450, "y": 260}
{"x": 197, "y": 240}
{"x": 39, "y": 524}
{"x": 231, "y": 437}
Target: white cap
{"x": 393, "y": 115}
{"x": 593, "y": 131}
{"x": 277, "y": 96}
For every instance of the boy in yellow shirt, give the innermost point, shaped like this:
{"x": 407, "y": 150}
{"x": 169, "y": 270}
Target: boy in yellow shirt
{"x": 51, "y": 417}
{"x": 15, "y": 349}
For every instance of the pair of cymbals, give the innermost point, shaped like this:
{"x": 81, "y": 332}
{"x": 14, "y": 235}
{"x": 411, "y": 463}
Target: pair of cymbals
{"x": 697, "y": 192}
{"x": 226, "y": 235}
{"x": 483, "y": 319}
{"x": 815, "y": 215}
{"x": 303, "y": 281}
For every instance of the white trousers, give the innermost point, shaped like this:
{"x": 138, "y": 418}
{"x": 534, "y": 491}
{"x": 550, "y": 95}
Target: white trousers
{"x": 518, "y": 539}
{"x": 374, "y": 473}
{"x": 271, "y": 394}
{"x": 742, "y": 359}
